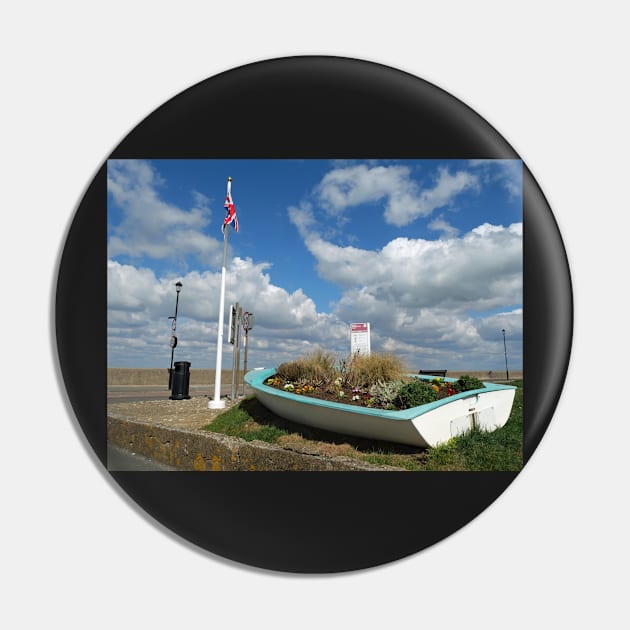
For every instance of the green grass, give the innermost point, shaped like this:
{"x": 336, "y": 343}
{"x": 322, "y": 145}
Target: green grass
{"x": 237, "y": 422}
{"x": 499, "y": 450}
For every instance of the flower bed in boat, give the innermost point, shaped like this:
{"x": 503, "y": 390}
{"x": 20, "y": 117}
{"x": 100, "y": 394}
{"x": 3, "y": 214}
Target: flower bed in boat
{"x": 398, "y": 394}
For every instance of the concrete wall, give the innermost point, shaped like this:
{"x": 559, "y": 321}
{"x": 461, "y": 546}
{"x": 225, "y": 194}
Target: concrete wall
{"x": 497, "y": 375}
{"x": 159, "y": 376}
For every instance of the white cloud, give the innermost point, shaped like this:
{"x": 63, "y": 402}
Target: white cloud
{"x": 302, "y": 217}
{"x": 439, "y": 224}
{"x": 354, "y": 185}
{"x": 490, "y": 327}
{"x": 405, "y": 207}
{"x": 342, "y": 188}
{"x": 421, "y": 296}
{"x": 426, "y": 299}
{"x": 508, "y": 172}
{"x": 418, "y": 295}
{"x": 481, "y": 270}
{"x": 287, "y": 324}
{"x": 150, "y": 226}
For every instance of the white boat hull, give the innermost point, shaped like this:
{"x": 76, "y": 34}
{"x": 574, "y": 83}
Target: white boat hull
{"x": 424, "y": 426}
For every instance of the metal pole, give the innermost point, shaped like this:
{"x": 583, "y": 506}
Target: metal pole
{"x": 239, "y": 319}
{"x": 507, "y": 374}
{"x": 245, "y": 358}
{"x": 235, "y": 325}
{"x": 216, "y": 402}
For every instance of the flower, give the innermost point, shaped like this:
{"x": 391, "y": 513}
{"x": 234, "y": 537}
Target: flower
{"x": 289, "y": 387}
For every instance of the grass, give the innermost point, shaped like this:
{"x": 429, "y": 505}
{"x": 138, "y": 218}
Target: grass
{"x": 363, "y": 370}
{"x": 238, "y": 422}
{"x": 317, "y": 368}
{"x": 477, "y": 450}
{"x": 321, "y": 369}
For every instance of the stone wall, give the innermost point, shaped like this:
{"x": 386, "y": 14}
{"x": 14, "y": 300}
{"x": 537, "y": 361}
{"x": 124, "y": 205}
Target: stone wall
{"x": 206, "y": 451}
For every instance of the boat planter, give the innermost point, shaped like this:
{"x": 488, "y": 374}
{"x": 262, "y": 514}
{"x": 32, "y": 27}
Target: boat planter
{"x": 423, "y": 426}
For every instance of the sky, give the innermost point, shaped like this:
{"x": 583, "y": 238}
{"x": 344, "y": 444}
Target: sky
{"x": 429, "y": 252}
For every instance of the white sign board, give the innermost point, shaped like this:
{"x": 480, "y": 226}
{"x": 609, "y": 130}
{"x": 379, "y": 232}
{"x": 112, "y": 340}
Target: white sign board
{"x": 360, "y": 338}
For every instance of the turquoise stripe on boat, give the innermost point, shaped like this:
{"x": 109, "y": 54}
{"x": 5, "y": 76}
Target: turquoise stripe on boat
{"x": 256, "y": 378}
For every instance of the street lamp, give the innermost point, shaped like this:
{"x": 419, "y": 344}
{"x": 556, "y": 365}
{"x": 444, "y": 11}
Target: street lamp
{"x": 178, "y": 288}
{"x": 507, "y": 374}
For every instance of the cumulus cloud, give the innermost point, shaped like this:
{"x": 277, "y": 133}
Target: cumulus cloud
{"x": 405, "y": 207}
{"x": 354, "y": 185}
{"x": 508, "y": 172}
{"x": 302, "y": 217}
{"x": 436, "y": 303}
{"x": 482, "y": 269}
{"x": 424, "y": 296}
{"x": 150, "y": 226}
{"x": 439, "y": 224}
{"x": 139, "y": 304}
{"x": 404, "y": 199}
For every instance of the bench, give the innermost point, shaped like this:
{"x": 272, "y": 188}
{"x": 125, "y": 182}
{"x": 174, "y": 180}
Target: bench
{"x": 441, "y": 373}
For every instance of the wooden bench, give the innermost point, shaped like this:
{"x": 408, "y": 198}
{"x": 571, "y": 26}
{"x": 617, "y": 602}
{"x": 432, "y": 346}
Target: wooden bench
{"x": 441, "y": 373}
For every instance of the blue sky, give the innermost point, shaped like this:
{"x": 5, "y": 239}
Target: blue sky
{"x": 428, "y": 251}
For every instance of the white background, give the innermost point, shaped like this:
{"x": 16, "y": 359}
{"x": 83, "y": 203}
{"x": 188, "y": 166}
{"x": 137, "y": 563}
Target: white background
{"x": 552, "y": 78}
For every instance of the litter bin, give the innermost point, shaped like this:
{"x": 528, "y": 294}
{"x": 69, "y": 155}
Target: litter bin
{"x": 180, "y": 380}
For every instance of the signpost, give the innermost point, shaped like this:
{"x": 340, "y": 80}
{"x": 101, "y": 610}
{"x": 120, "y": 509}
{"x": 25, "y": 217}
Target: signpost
{"x": 360, "y": 338}
{"x": 235, "y": 339}
{"x": 248, "y": 324}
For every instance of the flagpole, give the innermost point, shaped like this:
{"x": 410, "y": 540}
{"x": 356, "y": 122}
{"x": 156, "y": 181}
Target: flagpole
{"x": 216, "y": 402}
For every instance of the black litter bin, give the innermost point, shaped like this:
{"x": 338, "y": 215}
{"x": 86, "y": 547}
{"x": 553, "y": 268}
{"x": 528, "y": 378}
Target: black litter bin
{"x": 180, "y": 380}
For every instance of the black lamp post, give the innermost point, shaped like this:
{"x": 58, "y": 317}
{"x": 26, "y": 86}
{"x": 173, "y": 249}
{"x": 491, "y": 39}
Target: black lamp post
{"x": 507, "y": 374}
{"x": 178, "y": 288}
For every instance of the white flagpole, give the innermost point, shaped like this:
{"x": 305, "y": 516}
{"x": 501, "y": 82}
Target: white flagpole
{"x": 216, "y": 402}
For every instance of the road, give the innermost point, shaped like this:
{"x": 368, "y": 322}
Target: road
{"x": 120, "y": 459}
{"x": 137, "y": 393}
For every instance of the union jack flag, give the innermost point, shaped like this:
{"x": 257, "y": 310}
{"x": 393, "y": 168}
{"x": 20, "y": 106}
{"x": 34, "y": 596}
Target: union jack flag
{"x": 230, "y": 216}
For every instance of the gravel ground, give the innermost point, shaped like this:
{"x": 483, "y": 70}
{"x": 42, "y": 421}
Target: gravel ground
{"x": 189, "y": 415}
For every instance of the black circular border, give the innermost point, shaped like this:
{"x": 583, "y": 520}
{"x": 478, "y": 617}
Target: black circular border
{"x": 309, "y": 107}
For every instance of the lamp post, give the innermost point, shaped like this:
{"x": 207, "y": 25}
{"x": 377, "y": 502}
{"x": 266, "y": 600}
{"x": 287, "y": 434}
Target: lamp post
{"x": 178, "y": 288}
{"x": 507, "y": 374}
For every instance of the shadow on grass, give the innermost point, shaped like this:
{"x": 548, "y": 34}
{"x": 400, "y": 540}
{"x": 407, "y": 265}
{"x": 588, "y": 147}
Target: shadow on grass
{"x": 261, "y": 415}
